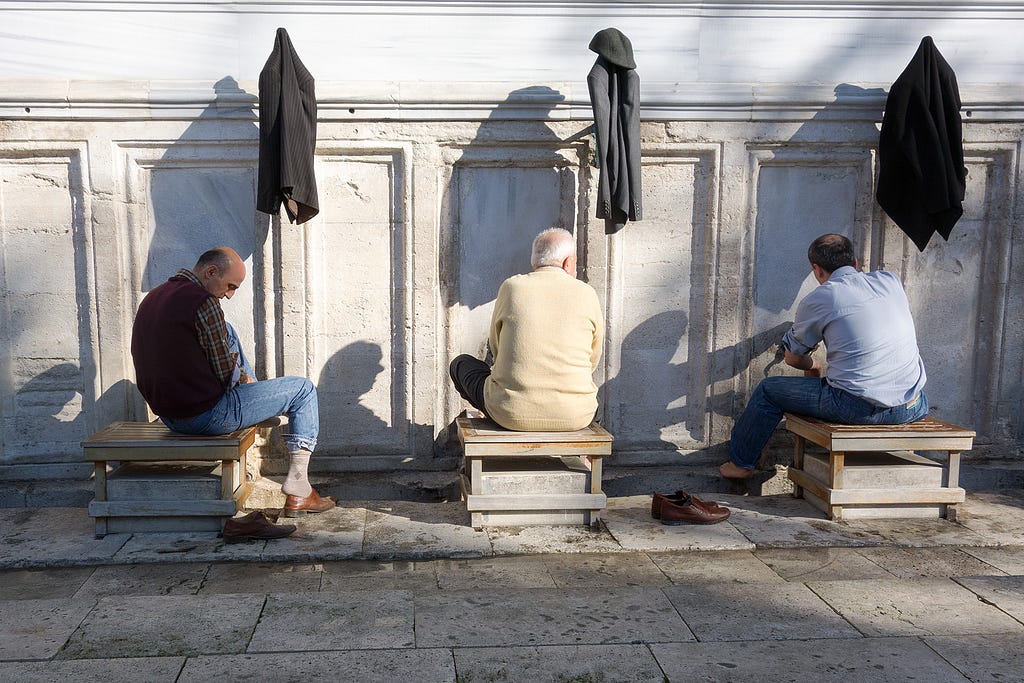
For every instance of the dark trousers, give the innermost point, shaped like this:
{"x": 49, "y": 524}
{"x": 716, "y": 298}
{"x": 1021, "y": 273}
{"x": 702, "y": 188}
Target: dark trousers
{"x": 468, "y": 375}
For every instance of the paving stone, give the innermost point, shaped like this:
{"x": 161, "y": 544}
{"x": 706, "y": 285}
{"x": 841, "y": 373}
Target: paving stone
{"x": 716, "y": 566}
{"x": 165, "y": 626}
{"x": 784, "y": 611}
{"x": 995, "y": 516}
{"x": 335, "y": 621}
{"x": 983, "y": 659}
{"x": 144, "y": 579}
{"x": 421, "y": 531}
{"x": 629, "y": 521}
{"x": 53, "y": 537}
{"x": 36, "y": 629}
{"x": 821, "y": 564}
{"x": 495, "y": 573}
{"x": 622, "y": 663}
{"x": 864, "y": 660}
{"x": 196, "y": 546}
{"x": 910, "y": 563}
{"x": 920, "y": 533}
{"x": 364, "y": 575}
{"x": 149, "y": 669}
{"x": 366, "y": 666}
{"x": 531, "y": 540}
{"x": 41, "y": 584}
{"x": 1005, "y": 592}
{"x": 333, "y": 535}
{"x": 632, "y": 569}
{"x": 548, "y": 616}
{"x": 1006, "y": 559}
{"x": 781, "y": 521}
{"x": 913, "y": 607}
{"x": 261, "y": 578}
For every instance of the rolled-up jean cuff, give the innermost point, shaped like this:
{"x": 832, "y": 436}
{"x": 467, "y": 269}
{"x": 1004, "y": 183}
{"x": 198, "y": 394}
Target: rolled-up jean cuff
{"x": 295, "y": 443}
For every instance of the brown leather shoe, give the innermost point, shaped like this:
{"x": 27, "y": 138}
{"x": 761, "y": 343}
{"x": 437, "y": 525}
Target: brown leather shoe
{"x": 254, "y": 527}
{"x": 679, "y": 497}
{"x": 688, "y": 513}
{"x": 731, "y": 470}
{"x": 295, "y": 506}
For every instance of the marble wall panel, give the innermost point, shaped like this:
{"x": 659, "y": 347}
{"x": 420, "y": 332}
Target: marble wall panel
{"x": 46, "y": 367}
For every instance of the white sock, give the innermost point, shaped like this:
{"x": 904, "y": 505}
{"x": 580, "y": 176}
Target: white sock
{"x": 297, "y": 481}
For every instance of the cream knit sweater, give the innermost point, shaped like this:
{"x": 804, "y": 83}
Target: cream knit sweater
{"x": 546, "y": 336}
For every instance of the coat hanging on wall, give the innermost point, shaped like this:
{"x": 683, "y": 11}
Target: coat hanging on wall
{"x": 921, "y": 174}
{"x": 287, "y": 135}
{"x": 615, "y": 97}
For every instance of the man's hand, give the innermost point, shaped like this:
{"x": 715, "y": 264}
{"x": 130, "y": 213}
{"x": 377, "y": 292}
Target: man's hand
{"x": 245, "y": 379}
{"x": 809, "y": 364}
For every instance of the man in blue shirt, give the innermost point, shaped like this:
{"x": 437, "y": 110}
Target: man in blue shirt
{"x": 875, "y": 374}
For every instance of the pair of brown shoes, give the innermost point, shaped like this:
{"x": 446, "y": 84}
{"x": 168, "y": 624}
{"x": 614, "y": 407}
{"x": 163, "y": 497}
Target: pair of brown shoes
{"x": 295, "y": 506}
{"x": 254, "y": 527}
{"x": 683, "y": 508}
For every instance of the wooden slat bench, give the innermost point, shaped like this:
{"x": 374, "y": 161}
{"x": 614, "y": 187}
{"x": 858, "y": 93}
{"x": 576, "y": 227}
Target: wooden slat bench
{"x": 492, "y": 451}
{"x": 842, "y": 441}
{"x": 154, "y": 444}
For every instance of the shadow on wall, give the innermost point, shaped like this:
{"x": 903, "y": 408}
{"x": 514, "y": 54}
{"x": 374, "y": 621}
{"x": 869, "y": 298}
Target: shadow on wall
{"x": 347, "y": 399}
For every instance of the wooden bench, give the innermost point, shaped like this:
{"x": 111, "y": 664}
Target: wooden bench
{"x": 842, "y": 441}
{"x": 550, "y": 458}
{"x": 153, "y": 444}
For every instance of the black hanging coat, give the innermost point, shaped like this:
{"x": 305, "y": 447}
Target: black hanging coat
{"x": 921, "y": 174}
{"x": 287, "y": 135}
{"x": 615, "y": 97}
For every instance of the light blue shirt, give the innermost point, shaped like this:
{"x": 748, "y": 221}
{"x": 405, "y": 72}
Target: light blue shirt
{"x": 864, "y": 320}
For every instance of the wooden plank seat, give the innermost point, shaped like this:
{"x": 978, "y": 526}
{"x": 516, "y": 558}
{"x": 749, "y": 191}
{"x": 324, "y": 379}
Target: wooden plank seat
{"x": 845, "y": 441}
{"x": 151, "y": 444}
{"x": 515, "y": 478}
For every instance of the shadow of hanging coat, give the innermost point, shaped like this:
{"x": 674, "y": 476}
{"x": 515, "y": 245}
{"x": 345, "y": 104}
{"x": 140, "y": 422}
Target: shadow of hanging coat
{"x": 615, "y": 97}
{"x": 921, "y": 174}
{"x": 287, "y": 135}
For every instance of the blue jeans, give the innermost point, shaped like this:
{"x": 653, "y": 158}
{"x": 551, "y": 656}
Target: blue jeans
{"x": 811, "y": 396}
{"x": 249, "y": 404}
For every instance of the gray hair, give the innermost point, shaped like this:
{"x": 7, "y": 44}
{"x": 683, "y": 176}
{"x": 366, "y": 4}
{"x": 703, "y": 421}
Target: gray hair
{"x": 214, "y": 257}
{"x": 551, "y": 247}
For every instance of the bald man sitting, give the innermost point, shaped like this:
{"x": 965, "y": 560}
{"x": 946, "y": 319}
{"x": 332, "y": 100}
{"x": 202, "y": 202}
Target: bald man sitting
{"x": 546, "y": 337}
{"x": 191, "y": 370}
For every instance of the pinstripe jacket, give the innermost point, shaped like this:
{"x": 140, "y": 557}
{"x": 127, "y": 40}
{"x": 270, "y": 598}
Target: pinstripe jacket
{"x": 287, "y": 135}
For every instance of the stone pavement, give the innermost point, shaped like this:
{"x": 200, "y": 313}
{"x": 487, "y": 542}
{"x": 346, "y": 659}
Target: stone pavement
{"x": 405, "y": 591}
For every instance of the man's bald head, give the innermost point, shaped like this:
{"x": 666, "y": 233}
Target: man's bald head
{"x": 221, "y": 270}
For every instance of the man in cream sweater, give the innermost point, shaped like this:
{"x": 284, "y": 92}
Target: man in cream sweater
{"x": 546, "y": 337}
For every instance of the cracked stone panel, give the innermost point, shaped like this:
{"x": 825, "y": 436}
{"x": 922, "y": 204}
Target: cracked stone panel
{"x": 365, "y": 666}
{"x": 495, "y": 573}
{"x": 983, "y": 659}
{"x": 42, "y": 584}
{"x": 261, "y": 578}
{"x": 369, "y": 620}
{"x": 920, "y": 533}
{"x": 633, "y": 569}
{"x": 364, "y": 575}
{"x": 165, "y": 626}
{"x": 865, "y": 660}
{"x": 36, "y": 629}
{"x": 1005, "y": 592}
{"x": 528, "y": 540}
{"x": 53, "y": 537}
{"x": 150, "y": 669}
{"x": 144, "y": 579}
{"x": 911, "y": 563}
{"x": 786, "y": 611}
{"x": 421, "y": 531}
{"x": 625, "y": 663}
{"x": 629, "y": 521}
{"x": 556, "y": 616}
{"x": 781, "y": 521}
{"x": 716, "y": 566}
{"x": 198, "y": 546}
{"x": 821, "y": 564}
{"x": 913, "y": 607}
{"x": 996, "y": 516}
{"x": 1006, "y": 559}
{"x": 333, "y": 535}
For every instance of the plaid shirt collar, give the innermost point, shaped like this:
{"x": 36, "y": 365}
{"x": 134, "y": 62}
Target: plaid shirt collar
{"x": 189, "y": 275}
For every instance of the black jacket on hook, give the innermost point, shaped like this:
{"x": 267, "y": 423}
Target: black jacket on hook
{"x": 615, "y": 97}
{"x": 287, "y": 135}
{"x": 921, "y": 174}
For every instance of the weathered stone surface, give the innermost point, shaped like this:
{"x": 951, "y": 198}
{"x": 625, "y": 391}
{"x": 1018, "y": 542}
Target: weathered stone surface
{"x": 629, "y": 520}
{"x": 516, "y": 540}
{"x": 871, "y": 660}
{"x": 367, "y": 620}
{"x": 1005, "y": 592}
{"x": 905, "y": 563}
{"x": 495, "y": 573}
{"x": 369, "y": 666}
{"x": 715, "y": 566}
{"x": 165, "y": 626}
{"x": 754, "y": 612}
{"x": 364, "y": 575}
{"x": 47, "y": 537}
{"x": 1007, "y": 560}
{"x": 913, "y": 607}
{"x": 786, "y": 522}
{"x": 36, "y": 629}
{"x": 625, "y": 663}
{"x": 995, "y": 515}
{"x": 623, "y": 569}
{"x": 821, "y": 564}
{"x": 144, "y": 579}
{"x": 260, "y": 578}
{"x": 333, "y": 535}
{"x": 984, "y": 659}
{"x": 41, "y": 584}
{"x": 154, "y": 669}
{"x": 563, "y": 616}
{"x": 420, "y": 530}
{"x": 186, "y": 547}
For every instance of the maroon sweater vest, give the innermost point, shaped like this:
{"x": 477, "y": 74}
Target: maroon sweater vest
{"x": 171, "y": 367}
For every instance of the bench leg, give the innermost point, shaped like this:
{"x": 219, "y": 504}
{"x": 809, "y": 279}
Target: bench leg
{"x": 836, "y": 462}
{"x": 475, "y": 470}
{"x": 952, "y": 481}
{"x": 798, "y": 462}
{"x": 100, "y": 481}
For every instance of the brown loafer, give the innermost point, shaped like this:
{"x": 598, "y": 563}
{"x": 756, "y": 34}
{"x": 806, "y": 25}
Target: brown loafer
{"x": 731, "y": 470}
{"x": 254, "y": 527}
{"x": 680, "y": 497}
{"x": 295, "y": 506}
{"x": 688, "y": 513}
